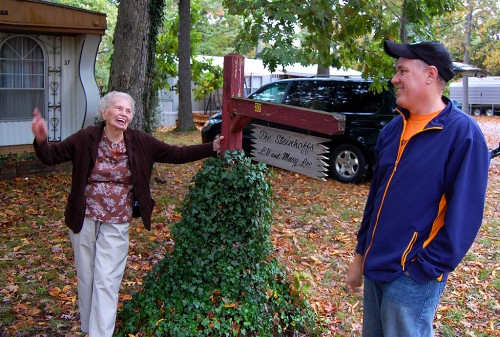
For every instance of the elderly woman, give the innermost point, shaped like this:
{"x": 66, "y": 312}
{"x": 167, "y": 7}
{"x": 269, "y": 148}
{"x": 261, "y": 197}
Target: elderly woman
{"x": 112, "y": 167}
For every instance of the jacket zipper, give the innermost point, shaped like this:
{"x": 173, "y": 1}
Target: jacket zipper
{"x": 408, "y": 249}
{"x": 396, "y": 163}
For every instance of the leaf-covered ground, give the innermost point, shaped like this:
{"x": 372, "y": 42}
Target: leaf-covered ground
{"x": 314, "y": 235}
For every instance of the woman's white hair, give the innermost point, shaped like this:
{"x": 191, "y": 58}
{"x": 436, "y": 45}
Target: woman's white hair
{"x": 109, "y": 99}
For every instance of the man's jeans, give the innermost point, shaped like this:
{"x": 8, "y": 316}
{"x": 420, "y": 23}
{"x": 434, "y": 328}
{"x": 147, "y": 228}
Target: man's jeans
{"x": 402, "y": 308}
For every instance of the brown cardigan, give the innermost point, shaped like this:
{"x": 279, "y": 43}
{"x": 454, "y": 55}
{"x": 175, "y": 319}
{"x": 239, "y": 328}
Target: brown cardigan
{"x": 143, "y": 150}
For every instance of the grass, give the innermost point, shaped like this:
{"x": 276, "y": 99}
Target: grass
{"x": 314, "y": 230}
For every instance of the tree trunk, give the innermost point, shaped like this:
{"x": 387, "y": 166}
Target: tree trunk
{"x": 323, "y": 70}
{"x": 403, "y": 33}
{"x": 184, "y": 84}
{"x": 130, "y": 58}
{"x": 465, "y": 82}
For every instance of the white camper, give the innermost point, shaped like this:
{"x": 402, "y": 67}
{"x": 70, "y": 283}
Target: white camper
{"x": 484, "y": 95}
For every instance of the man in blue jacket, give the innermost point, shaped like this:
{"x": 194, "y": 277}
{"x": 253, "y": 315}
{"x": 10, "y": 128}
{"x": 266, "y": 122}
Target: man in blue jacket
{"x": 426, "y": 198}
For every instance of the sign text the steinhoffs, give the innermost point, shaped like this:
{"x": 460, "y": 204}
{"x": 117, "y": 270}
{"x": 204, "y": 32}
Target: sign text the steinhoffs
{"x": 291, "y": 151}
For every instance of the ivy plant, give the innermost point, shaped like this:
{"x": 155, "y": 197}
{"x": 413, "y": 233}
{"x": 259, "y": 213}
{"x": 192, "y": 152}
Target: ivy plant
{"x": 222, "y": 277}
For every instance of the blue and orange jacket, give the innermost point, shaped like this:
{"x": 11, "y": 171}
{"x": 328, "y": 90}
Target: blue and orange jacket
{"x": 424, "y": 209}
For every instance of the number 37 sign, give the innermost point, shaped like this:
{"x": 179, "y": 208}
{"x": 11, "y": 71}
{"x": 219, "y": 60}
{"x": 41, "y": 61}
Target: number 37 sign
{"x": 291, "y": 151}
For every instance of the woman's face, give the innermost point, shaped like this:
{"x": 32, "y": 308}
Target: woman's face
{"x": 119, "y": 115}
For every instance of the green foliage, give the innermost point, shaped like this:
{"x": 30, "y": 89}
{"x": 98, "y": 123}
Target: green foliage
{"x": 274, "y": 24}
{"x": 334, "y": 33}
{"x": 217, "y": 29}
{"x": 205, "y": 76}
{"x": 221, "y": 278}
{"x": 484, "y": 46}
{"x": 12, "y": 158}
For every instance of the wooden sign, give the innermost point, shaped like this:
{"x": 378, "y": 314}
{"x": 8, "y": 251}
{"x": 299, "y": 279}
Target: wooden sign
{"x": 291, "y": 151}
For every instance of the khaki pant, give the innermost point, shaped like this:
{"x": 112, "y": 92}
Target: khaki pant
{"x": 100, "y": 251}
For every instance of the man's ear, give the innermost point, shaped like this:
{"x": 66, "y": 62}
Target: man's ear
{"x": 432, "y": 74}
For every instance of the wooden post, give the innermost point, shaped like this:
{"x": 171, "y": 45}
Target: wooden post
{"x": 293, "y": 151}
{"x": 233, "y": 86}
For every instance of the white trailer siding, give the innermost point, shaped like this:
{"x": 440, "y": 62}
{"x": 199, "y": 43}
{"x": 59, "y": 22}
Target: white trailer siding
{"x": 484, "y": 94}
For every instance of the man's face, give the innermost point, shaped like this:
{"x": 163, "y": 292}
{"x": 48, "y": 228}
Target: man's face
{"x": 409, "y": 82}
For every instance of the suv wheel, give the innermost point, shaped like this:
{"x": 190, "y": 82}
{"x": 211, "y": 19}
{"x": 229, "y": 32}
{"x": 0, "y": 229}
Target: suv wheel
{"x": 348, "y": 164}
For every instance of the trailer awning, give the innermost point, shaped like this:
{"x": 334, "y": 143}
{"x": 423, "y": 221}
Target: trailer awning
{"x": 465, "y": 69}
{"x": 42, "y": 17}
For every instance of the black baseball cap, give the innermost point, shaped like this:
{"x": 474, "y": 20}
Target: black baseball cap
{"x": 432, "y": 53}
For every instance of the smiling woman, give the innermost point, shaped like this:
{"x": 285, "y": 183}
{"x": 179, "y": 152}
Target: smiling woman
{"x": 111, "y": 173}
{"x": 117, "y": 110}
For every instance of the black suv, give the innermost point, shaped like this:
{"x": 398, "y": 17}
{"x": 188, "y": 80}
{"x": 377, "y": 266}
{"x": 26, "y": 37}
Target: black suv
{"x": 351, "y": 154}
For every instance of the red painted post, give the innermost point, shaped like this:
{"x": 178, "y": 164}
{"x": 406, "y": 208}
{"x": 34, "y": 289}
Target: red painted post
{"x": 233, "y": 86}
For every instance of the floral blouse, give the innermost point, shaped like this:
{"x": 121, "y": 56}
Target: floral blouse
{"x": 109, "y": 189}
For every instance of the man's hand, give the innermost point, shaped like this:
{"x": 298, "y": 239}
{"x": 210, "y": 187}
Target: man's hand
{"x": 354, "y": 275}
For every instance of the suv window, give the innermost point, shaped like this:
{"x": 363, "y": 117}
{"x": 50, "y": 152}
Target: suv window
{"x": 318, "y": 95}
{"x": 273, "y": 93}
{"x": 356, "y": 97}
{"x": 334, "y": 96}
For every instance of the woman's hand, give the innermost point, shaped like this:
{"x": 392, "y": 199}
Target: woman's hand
{"x": 39, "y": 127}
{"x": 217, "y": 142}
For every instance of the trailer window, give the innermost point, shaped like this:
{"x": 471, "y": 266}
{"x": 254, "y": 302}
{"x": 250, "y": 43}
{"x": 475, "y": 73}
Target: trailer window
{"x": 22, "y": 78}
